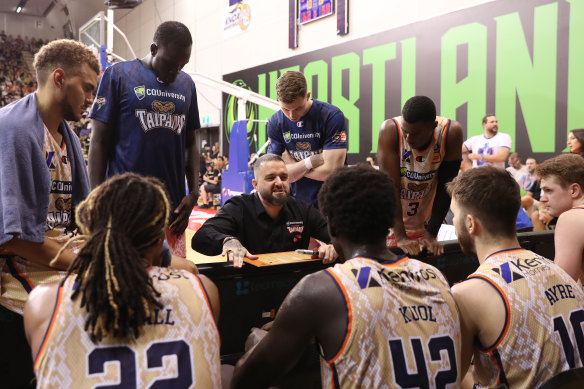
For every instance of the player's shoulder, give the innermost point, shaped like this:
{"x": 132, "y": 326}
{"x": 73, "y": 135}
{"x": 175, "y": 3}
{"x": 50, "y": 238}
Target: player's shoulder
{"x": 572, "y": 218}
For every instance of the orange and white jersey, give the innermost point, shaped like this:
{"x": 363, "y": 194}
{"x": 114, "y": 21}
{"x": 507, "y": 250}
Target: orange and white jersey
{"x": 19, "y": 275}
{"x": 419, "y": 173}
{"x": 402, "y": 327}
{"x": 544, "y": 314}
{"x": 179, "y": 347}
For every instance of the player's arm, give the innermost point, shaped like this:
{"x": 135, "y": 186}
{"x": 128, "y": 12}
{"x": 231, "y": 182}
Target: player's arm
{"x": 482, "y": 316}
{"x": 37, "y": 314}
{"x": 299, "y": 169}
{"x": 569, "y": 242}
{"x": 102, "y": 134}
{"x": 213, "y": 294}
{"x": 446, "y": 172}
{"x": 388, "y": 159}
{"x": 333, "y": 158}
{"x": 184, "y": 209}
{"x": 41, "y": 253}
{"x": 311, "y": 309}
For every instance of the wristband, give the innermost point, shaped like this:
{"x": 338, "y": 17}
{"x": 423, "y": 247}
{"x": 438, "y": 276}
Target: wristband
{"x": 482, "y": 157}
{"x": 308, "y": 163}
{"x": 227, "y": 239}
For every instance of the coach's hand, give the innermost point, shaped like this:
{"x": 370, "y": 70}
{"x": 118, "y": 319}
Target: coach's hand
{"x": 327, "y": 253}
{"x": 236, "y": 252}
{"x": 182, "y": 212}
{"x": 432, "y": 245}
{"x": 408, "y": 246}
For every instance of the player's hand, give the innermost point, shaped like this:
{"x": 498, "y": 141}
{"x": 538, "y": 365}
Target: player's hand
{"x": 408, "y": 246}
{"x": 316, "y": 160}
{"x": 255, "y": 336}
{"x": 474, "y": 156}
{"x": 432, "y": 245}
{"x": 327, "y": 253}
{"x": 182, "y": 212}
{"x": 236, "y": 252}
{"x": 545, "y": 217}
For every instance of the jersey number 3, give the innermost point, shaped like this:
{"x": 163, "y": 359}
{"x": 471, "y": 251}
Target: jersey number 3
{"x": 420, "y": 378}
{"x": 126, "y": 357}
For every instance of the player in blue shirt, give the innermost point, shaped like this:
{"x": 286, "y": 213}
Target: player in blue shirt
{"x": 310, "y": 135}
{"x": 144, "y": 117}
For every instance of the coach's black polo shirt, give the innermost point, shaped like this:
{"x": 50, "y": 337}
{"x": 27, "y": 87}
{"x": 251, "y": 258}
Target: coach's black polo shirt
{"x": 245, "y": 218}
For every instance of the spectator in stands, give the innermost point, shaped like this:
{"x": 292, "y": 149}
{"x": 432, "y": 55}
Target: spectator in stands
{"x": 371, "y": 161}
{"x": 211, "y": 184}
{"x": 516, "y": 308}
{"x": 421, "y": 153}
{"x": 491, "y": 148}
{"x": 516, "y": 168}
{"x": 367, "y": 313}
{"x": 529, "y": 183}
{"x": 575, "y": 141}
{"x": 562, "y": 185}
{"x": 117, "y": 300}
{"x": 43, "y": 179}
{"x": 267, "y": 221}
{"x": 207, "y": 152}
{"x": 215, "y": 150}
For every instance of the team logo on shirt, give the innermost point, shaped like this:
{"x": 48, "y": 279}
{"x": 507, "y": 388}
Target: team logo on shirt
{"x": 287, "y": 137}
{"x": 162, "y": 116}
{"x": 340, "y": 136}
{"x": 406, "y": 156}
{"x": 506, "y": 273}
{"x": 300, "y": 124}
{"x": 295, "y": 227}
{"x": 140, "y": 92}
{"x": 364, "y": 279}
{"x": 303, "y": 146}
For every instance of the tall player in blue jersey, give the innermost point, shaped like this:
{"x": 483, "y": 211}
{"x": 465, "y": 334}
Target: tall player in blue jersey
{"x": 310, "y": 135}
{"x": 144, "y": 119}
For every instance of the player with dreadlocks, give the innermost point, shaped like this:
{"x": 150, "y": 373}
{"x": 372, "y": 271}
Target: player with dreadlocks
{"x": 116, "y": 305}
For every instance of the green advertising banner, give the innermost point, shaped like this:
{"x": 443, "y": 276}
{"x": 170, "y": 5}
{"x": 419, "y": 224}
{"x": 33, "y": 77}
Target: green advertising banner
{"x": 520, "y": 60}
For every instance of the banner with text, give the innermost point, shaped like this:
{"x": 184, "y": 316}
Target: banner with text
{"x": 520, "y": 60}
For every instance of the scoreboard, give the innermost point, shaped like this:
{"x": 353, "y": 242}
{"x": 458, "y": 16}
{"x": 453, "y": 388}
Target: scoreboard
{"x": 314, "y": 9}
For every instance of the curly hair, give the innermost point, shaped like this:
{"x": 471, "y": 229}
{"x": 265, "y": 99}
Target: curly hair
{"x": 491, "y": 194}
{"x": 173, "y": 32}
{"x": 119, "y": 220}
{"x": 66, "y": 54}
{"x": 419, "y": 109}
{"x": 290, "y": 86}
{"x": 358, "y": 202}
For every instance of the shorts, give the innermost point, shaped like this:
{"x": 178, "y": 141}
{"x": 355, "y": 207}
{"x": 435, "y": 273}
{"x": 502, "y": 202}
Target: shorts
{"x": 210, "y": 188}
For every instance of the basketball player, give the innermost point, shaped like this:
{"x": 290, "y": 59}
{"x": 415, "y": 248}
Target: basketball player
{"x": 562, "y": 192}
{"x": 144, "y": 121}
{"x": 420, "y": 152}
{"x": 521, "y": 314}
{"x": 310, "y": 135}
{"x": 43, "y": 178}
{"x": 116, "y": 306}
{"x": 381, "y": 321}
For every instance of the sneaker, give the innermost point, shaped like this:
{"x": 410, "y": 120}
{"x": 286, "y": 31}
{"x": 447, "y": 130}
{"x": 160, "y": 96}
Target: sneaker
{"x": 204, "y": 206}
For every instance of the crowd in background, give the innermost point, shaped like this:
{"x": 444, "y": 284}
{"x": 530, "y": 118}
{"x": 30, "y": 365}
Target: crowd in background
{"x": 16, "y": 78}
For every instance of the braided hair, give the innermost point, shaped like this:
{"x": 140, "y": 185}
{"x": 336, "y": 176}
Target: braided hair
{"x": 119, "y": 221}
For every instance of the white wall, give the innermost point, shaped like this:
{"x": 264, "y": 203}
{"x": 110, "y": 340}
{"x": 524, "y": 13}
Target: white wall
{"x": 50, "y": 27}
{"x": 266, "y": 39}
